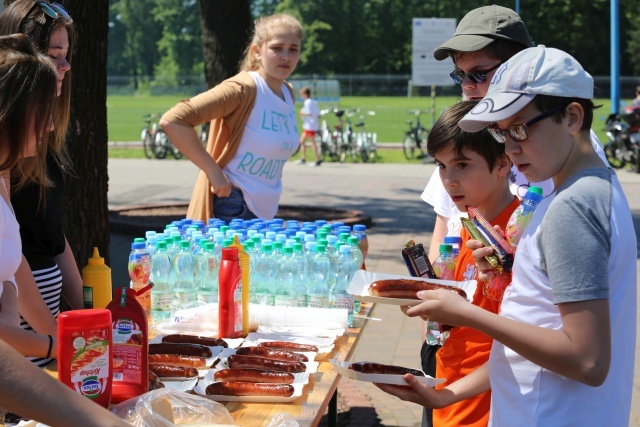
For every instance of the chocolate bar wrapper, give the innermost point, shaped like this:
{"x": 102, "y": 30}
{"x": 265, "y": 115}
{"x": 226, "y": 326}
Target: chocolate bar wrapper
{"x": 475, "y": 233}
{"x": 417, "y": 261}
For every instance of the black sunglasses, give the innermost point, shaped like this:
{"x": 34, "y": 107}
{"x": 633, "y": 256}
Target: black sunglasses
{"x": 51, "y": 10}
{"x": 476, "y": 76}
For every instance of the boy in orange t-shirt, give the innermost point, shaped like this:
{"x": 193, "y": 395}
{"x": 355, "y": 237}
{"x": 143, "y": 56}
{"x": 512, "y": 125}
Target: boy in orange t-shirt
{"x": 474, "y": 170}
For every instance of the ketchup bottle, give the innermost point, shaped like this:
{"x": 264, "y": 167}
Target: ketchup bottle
{"x": 229, "y": 295}
{"x": 130, "y": 346}
{"x": 85, "y": 353}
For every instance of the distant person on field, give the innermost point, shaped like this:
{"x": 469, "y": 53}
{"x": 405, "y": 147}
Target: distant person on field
{"x": 253, "y": 128}
{"x": 309, "y": 113}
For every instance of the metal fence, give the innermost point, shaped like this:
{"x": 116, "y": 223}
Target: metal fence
{"x": 348, "y": 85}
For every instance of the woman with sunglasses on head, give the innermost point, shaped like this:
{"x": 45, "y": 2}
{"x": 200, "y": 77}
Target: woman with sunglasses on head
{"x": 48, "y": 269}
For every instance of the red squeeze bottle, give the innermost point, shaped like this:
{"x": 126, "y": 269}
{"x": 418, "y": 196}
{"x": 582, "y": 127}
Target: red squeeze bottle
{"x": 229, "y": 295}
{"x": 130, "y": 346}
{"x": 85, "y": 353}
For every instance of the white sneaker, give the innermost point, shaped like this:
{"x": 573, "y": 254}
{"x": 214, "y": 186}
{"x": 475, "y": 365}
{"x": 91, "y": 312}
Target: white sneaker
{"x": 300, "y": 162}
{"x": 314, "y": 164}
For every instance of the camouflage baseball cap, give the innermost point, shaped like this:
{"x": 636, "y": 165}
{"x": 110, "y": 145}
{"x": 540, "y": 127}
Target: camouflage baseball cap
{"x": 482, "y": 26}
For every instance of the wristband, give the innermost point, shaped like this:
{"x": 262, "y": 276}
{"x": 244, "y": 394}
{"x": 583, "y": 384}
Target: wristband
{"x": 50, "y": 345}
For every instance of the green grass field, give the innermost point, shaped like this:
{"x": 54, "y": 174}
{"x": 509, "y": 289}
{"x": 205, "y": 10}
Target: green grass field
{"x": 125, "y": 118}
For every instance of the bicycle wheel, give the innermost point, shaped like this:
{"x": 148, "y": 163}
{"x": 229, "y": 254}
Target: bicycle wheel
{"x": 363, "y": 146}
{"x": 160, "y": 145}
{"x": 421, "y": 143}
{"x": 409, "y": 146}
{"x": 147, "y": 143}
{"x": 177, "y": 154}
{"x": 322, "y": 149}
{"x": 372, "y": 139}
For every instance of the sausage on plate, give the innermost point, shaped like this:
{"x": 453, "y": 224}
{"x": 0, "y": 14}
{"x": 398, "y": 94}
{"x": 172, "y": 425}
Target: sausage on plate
{"x": 239, "y": 388}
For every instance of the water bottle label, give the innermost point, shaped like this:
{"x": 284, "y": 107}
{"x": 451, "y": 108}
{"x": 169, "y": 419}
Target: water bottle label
{"x": 343, "y": 301}
{"x": 302, "y": 301}
{"x": 285, "y": 301}
{"x": 161, "y": 302}
{"x": 317, "y": 301}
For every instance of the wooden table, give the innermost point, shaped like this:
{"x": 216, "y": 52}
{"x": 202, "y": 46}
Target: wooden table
{"x": 318, "y": 396}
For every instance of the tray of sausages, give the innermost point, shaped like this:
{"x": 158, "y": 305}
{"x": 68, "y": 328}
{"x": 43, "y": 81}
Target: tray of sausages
{"x": 374, "y": 372}
{"x": 393, "y": 289}
{"x": 182, "y": 357}
{"x": 257, "y": 374}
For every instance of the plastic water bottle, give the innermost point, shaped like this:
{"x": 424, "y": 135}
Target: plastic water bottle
{"x": 261, "y": 293}
{"x": 207, "y": 266}
{"x": 356, "y": 254}
{"x": 521, "y": 217}
{"x": 318, "y": 278}
{"x": 455, "y": 242}
{"x": 360, "y": 231}
{"x": 286, "y": 294}
{"x": 444, "y": 265}
{"x": 303, "y": 279}
{"x": 343, "y": 271}
{"x": 162, "y": 291}
{"x": 139, "y": 272}
{"x": 183, "y": 266}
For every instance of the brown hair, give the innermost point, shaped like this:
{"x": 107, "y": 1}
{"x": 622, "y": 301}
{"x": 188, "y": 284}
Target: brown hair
{"x": 547, "y": 102}
{"x": 264, "y": 29}
{"x": 445, "y": 133}
{"x": 28, "y": 89}
{"x": 39, "y": 27}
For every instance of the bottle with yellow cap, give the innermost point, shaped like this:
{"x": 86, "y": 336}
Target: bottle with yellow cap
{"x": 96, "y": 282}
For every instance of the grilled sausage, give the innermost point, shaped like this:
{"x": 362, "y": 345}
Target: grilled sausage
{"x": 288, "y": 346}
{"x": 239, "y": 388}
{"x": 178, "y": 360}
{"x": 172, "y": 371}
{"x": 272, "y": 354}
{"x": 254, "y": 376}
{"x": 183, "y": 349}
{"x": 253, "y": 362}
{"x": 379, "y": 368}
{"x": 406, "y": 289}
{"x": 194, "y": 339}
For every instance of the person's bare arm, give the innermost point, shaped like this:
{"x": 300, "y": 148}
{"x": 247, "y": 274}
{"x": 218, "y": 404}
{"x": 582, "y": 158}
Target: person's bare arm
{"x": 8, "y": 306}
{"x": 71, "y": 278}
{"x": 439, "y": 233}
{"x": 186, "y": 139}
{"x": 471, "y": 385}
{"x": 580, "y": 350}
{"x": 31, "y": 393}
{"x": 30, "y": 303}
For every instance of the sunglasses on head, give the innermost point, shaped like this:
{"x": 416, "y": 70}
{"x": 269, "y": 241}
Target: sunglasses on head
{"x": 51, "y": 10}
{"x": 458, "y": 76}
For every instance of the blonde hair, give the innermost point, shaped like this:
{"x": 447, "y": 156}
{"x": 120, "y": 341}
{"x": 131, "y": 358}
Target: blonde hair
{"x": 264, "y": 29}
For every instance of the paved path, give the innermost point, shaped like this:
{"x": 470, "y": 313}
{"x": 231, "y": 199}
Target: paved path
{"x": 390, "y": 193}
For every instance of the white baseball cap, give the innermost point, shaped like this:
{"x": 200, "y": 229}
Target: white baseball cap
{"x": 534, "y": 71}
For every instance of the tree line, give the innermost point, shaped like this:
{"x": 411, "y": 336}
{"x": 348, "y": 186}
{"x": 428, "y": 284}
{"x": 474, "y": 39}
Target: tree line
{"x": 164, "y": 39}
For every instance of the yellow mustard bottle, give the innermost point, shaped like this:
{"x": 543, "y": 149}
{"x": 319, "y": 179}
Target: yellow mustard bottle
{"x": 96, "y": 282}
{"x": 243, "y": 257}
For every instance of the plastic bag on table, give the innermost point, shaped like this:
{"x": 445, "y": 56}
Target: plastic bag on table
{"x": 169, "y": 408}
{"x": 283, "y": 420}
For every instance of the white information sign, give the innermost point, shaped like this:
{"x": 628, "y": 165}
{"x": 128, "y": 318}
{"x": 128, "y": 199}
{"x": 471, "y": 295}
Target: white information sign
{"x": 428, "y": 34}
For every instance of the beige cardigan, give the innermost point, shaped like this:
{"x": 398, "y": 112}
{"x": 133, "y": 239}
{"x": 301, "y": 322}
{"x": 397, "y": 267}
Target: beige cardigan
{"x": 228, "y": 107}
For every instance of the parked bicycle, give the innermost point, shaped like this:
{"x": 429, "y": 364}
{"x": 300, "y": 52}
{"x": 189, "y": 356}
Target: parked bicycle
{"x": 414, "y": 143}
{"x": 148, "y": 135}
{"x": 155, "y": 142}
{"x": 366, "y": 141}
{"x": 327, "y": 146}
{"x": 348, "y": 145}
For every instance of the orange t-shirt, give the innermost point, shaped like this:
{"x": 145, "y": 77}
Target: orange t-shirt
{"x": 466, "y": 348}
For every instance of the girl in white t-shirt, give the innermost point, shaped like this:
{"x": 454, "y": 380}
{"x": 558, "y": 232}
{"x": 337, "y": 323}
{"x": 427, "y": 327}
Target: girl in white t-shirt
{"x": 254, "y": 130}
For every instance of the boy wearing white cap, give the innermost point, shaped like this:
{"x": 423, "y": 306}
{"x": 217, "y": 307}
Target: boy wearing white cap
{"x": 564, "y": 342}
